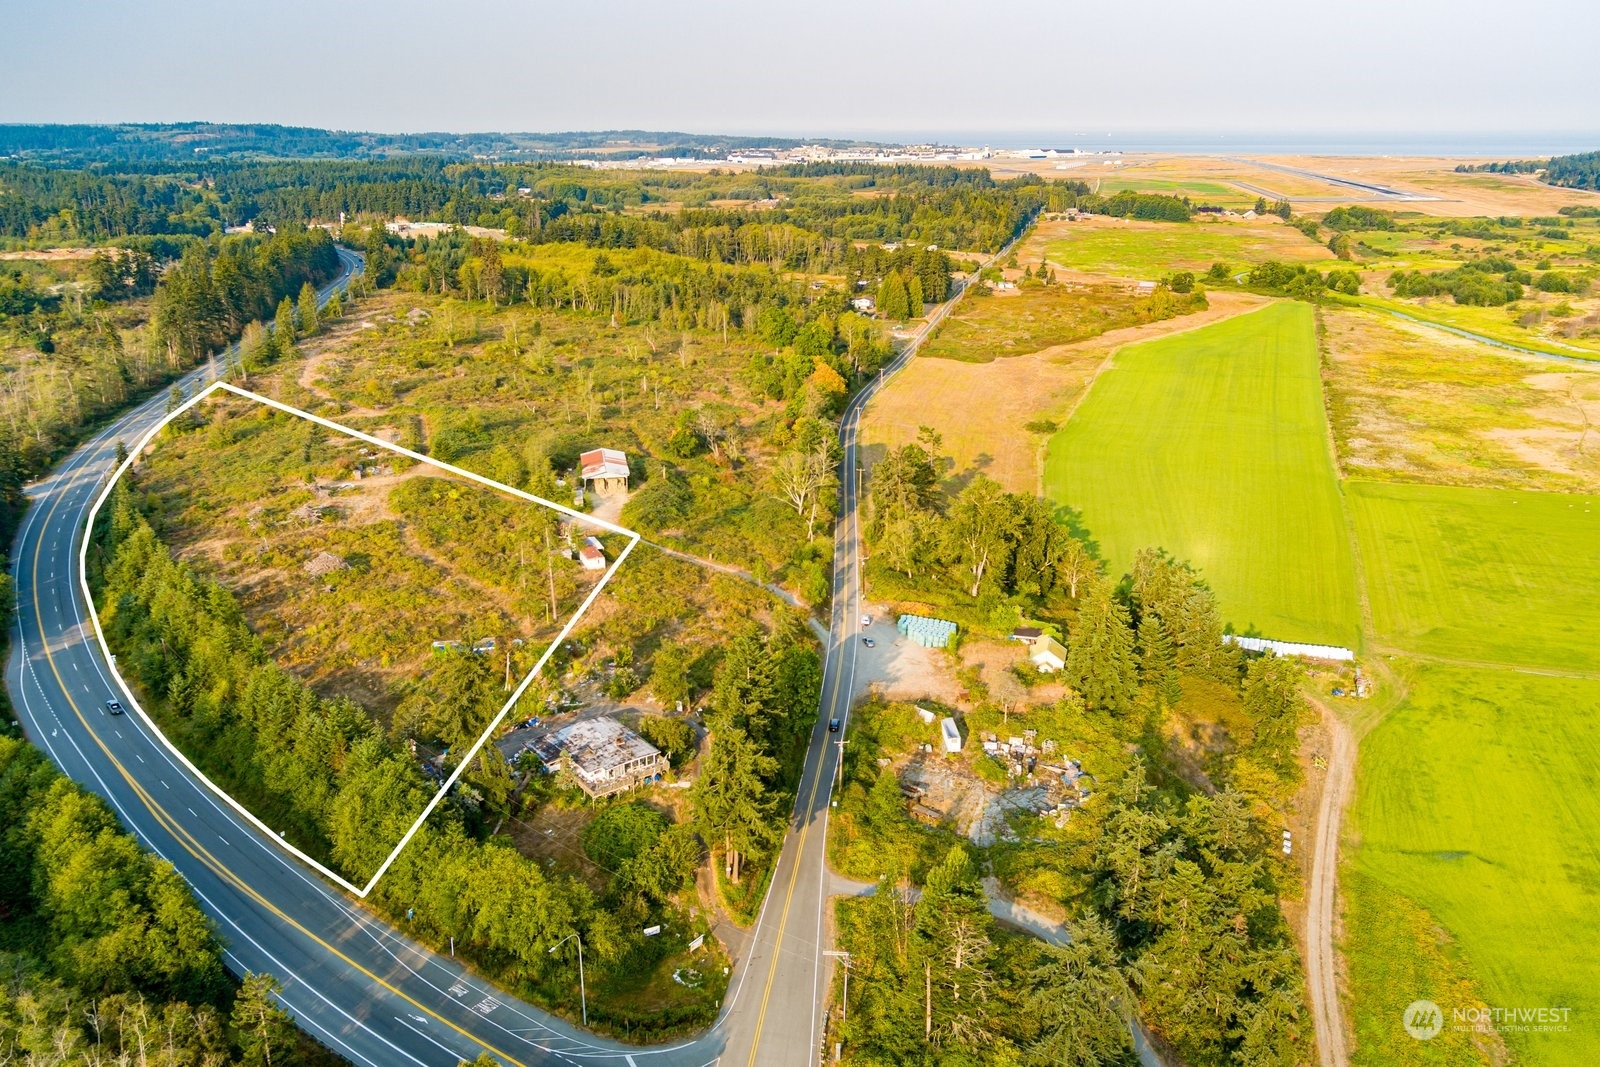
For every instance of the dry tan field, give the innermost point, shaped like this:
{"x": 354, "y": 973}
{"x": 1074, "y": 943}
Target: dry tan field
{"x": 1457, "y": 195}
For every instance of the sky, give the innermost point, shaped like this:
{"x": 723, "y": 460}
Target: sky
{"x": 892, "y": 70}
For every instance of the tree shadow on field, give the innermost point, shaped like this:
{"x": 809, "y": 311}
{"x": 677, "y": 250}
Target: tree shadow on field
{"x": 1072, "y": 519}
{"x": 956, "y": 481}
{"x": 868, "y": 456}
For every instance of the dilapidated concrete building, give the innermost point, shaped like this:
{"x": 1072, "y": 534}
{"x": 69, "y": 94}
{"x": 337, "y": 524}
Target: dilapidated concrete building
{"x": 604, "y": 756}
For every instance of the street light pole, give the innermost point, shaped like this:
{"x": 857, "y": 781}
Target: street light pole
{"x": 583, "y": 995}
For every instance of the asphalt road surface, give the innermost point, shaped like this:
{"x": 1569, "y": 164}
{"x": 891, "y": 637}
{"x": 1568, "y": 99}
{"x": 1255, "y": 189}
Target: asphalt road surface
{"x": 348, "y": 978}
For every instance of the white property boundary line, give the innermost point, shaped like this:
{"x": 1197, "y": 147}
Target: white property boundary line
{"x": 439, "y": 794}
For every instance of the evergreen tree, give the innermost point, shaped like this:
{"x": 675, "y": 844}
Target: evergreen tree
{"x": 1077, "y": 999}
{"x": 744, "y": 694}
{"x": 1158, "y": 664}
{"x": 955, "y": 934}
{"x": 1273, "y": 701}
{"x": 1100, "y": 662}
{"x": 914, "y": 296}
{"x": 733, "y": 807}
{"x": 264, "y": 1031}
{"x": 894, "y": 302}
{"x": 283, "y": 324}
{"x": 306, "y": 317}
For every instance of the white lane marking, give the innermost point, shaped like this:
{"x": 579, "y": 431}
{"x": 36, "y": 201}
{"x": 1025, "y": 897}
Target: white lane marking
{"x": 150, "y": 408}
{"x": 192, "y": 812}
{"x": 164, "y": 784}
{"x": 428, "y": 1038}
{"x": 224, "y": 840}
{"x": 277, "y": 966}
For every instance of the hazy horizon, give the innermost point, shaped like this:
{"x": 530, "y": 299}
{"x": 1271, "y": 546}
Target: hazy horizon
{"x": 1246, "y": 68}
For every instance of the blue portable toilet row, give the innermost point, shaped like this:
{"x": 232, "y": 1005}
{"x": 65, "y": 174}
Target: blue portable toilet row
{"x": 929, "y": 633}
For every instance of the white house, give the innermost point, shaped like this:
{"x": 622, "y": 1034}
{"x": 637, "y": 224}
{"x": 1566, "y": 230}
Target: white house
{"x": 1048, "y": 655}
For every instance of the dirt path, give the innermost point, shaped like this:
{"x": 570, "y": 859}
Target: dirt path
{"x": 733, "y": 572}
{"x": 1321, "y": 912}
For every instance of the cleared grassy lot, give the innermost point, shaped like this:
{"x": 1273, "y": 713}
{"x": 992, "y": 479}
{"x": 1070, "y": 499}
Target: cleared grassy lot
{"x": 1482, "y": 575}
{"x": 1476, "y": 801}
{"x": 1148, "y": 250}
{"x": 1203, "y": 191}
{"x": 1036, "y": 317}
{"x": 1213, "y": 445}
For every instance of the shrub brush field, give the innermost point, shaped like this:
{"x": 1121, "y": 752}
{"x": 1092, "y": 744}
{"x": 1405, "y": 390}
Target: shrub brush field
{"x": 1412, "y": 404}
{"x": 1476, "y": 802}
{"x": 1152, "y": 249}
{"x": 1038, "y": 316}
{"x": 1213, "y": 444}
{"x": 349, "y": 579}
{"x": 1482, "y": 575}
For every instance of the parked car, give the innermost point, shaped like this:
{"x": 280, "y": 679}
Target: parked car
{"x": 833, "y": 726}
{"x": 114, "y": 707}
{"x": 866, "y": 621}
{"x": 867, "y": 641}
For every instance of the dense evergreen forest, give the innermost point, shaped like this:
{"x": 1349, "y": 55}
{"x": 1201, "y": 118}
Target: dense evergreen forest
{"x": 104, "y": 949}
{"x": 1578, "y": 171}
{"x": 1581, "y": 171}
{"x": 955, "y": 208}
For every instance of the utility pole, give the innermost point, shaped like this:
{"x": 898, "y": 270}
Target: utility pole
{"x": 841, "y": 743}
{"x": 583, "y": 996}
{"x": 844, "y": 1016}
{"x": 550, "y": 570}
{"x": 927, "y": 1011}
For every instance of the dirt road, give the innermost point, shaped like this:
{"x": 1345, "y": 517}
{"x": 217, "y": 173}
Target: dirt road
{"x": 1327, "y": 1013}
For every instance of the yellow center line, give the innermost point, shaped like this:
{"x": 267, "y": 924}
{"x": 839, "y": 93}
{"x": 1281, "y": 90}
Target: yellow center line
{"x": 192, "y": 846}
{"x": 794, "y": 874}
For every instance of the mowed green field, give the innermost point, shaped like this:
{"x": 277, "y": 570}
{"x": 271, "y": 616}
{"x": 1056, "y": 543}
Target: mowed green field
{"x": 1204, "y": 191}
{"x": 1148, "y": 250}
{"x": 1486, "y": 575}
{"x": 1212, "y": 444}
{"x": 1477, "y": 800}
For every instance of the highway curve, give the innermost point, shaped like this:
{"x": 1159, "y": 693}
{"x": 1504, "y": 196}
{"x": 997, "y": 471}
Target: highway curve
{"x": 350, "y": 979}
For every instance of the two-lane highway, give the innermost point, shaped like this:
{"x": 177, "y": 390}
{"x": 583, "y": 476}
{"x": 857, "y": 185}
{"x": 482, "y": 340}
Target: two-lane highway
{"x": 782, "y": 1023}
{"x": 351, "y": 980}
